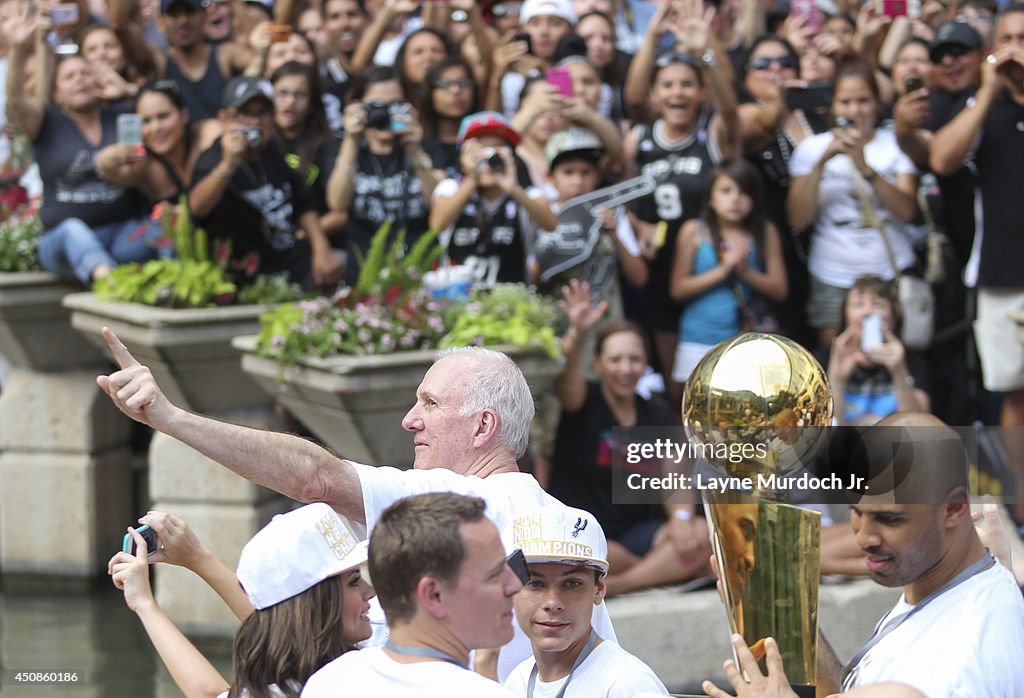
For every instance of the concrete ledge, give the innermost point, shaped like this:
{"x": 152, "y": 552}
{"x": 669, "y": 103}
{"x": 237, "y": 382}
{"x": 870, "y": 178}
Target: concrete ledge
{"x": 684, "y": 636}
{"x": 63, "y": 514}
{"x": 59, "y": 413}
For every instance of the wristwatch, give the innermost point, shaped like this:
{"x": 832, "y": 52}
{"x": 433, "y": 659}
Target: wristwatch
{"x": 708, "y": 58}
{"x": 868, "y": 174}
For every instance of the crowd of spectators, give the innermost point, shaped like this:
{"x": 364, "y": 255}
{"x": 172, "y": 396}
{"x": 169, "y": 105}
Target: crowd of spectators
{"x": 797, "y": 160}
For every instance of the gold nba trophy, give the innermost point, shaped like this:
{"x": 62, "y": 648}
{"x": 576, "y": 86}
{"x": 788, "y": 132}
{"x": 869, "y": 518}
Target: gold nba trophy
{"x": 757, "y": 407}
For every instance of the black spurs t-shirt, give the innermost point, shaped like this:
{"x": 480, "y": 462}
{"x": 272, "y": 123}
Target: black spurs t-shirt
{"x": 259, "y": 212}
{"x": 581, "y": 471}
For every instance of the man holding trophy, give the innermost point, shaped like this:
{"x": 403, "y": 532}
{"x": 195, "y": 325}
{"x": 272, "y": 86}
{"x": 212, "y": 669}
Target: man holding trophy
{"x": 958, "y": 629}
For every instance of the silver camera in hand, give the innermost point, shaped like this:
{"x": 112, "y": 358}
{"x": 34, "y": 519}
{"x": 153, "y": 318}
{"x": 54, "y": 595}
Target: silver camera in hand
{"x": 253, "y": 137}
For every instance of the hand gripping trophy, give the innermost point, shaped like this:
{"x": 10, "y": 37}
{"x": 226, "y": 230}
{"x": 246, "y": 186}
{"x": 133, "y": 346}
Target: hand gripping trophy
{"x": 758, "y": 406}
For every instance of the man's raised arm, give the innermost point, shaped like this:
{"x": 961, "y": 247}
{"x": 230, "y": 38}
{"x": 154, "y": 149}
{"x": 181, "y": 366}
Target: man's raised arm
{"x": 295, "y": 467}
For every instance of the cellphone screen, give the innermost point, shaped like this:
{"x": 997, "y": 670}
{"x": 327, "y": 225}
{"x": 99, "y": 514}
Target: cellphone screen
{"x": 559, "y": 77}
{"x": 64, "y": 14}
{"x": 894, "y": 8}
{"x": 279, "y": 33}
{"x": 129, "y": 128}
{"x": 812, "y": 98}
{"x": 809, "y": 9}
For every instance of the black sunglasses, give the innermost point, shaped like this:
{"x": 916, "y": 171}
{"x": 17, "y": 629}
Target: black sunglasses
{"x": 517, "y": 561}
{"x": 765, "y": 62}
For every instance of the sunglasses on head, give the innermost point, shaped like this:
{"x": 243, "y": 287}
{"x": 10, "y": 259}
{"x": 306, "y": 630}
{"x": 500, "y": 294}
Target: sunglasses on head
{"x": 166, "y": 86}
{"x": 505, "y": 9}
{"x": 667, "y": 59}
{"x": 766, "y": 62}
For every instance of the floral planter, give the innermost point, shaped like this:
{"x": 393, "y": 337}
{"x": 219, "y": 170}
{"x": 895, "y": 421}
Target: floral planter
{"x": 188, "y": 350}
{"x": 35, "y": 329}
{"x": 355, "y": 404}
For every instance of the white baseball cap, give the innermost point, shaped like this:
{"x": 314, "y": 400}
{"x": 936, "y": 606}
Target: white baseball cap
{"x": 557, "y": 533}
{"x": 296, "y": 551}
{"x": 554, "y": 8}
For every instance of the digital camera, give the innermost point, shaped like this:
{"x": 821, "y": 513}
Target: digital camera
{"x": 381, "y": 115}
{"x": 253, "y": 137}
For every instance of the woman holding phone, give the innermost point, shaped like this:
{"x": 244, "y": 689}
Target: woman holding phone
{"x": 871, "y": 373}
{"x": 90, "y": 225}
{"x": 156, "y": 161}
{"x": 309, "y": 605}
{"x": 858, "y": 190}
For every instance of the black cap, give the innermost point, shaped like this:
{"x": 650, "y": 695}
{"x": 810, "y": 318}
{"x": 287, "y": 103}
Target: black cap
{"x": 194, "y": 5}
{"x": 952, "y": 33}
{"x": 246, "y": 88}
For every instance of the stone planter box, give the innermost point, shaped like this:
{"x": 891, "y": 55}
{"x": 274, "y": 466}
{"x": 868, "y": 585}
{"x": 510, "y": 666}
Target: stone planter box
{"x": 355, "y": 404}
{"x": 188, "y": 350}
{"x": 35, "y": 329}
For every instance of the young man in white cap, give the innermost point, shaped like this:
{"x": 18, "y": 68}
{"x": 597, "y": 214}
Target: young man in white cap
{"x": 566, "y": 552}
{"x": 446, "y": 588}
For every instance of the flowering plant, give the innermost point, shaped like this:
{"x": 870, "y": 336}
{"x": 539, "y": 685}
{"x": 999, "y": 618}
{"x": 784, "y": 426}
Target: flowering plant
{"x": 193, "y": 280}
{"x": 19, "y": 239}
{"x": 389, "y": 310}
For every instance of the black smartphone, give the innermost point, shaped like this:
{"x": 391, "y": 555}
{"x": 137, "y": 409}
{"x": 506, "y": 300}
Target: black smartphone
{"x": 523, "y": 36}
{"x": 913, "y": 83}
{"x": 147, "y": 533}
{"x": 812, "y": 99}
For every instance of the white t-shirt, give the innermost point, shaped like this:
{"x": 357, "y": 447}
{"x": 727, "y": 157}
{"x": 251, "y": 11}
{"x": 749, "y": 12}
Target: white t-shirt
{"x": 845, "y": 246}
{"x": 506, "y": 494}
{"x": 966, "y": 643}
{"x": 370, "y": 672}
{"x": 609, "y": 672}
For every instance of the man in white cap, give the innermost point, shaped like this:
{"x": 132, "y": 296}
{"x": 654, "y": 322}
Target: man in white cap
{"x": 566, "y": 552}
{"x": 470, "y": 426}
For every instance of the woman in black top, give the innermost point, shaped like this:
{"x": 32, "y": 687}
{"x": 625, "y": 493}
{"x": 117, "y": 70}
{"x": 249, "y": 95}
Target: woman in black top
{"x": 89, "y": 224}
{"x": 642, "y": 546}
{"x": 163, "y": 170}
{"x": 447, "y": 95}
{"x": 300, "y": 127}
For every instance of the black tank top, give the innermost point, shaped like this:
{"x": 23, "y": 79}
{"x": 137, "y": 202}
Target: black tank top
{"x": 203, "y": 97}
{"x": 682, "y": 171}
